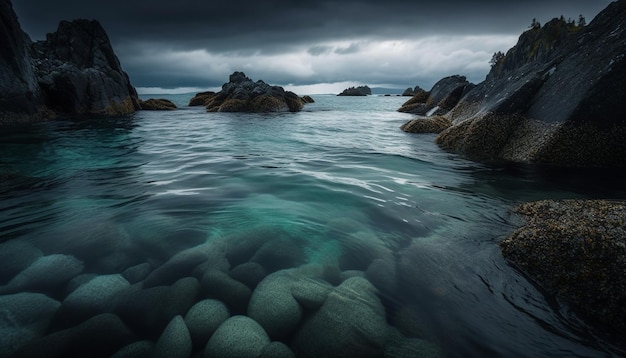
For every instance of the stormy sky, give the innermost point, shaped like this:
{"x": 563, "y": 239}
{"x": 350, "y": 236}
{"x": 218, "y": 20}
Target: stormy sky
{"x": 306, "y": 46}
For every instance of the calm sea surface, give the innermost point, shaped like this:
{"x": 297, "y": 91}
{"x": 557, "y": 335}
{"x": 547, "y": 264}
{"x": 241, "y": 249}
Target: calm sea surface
{"x": 340, "y": 178}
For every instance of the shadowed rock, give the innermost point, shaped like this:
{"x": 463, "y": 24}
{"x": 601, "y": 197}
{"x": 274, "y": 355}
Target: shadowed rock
{"x": 241, "y": 94}
{"x": 73, "y": 72}
{"x": 174, "y": 342}
{"x": 555, "y": 98}
{"x": 100, "y": 336}
{"x": 25, "y": 317}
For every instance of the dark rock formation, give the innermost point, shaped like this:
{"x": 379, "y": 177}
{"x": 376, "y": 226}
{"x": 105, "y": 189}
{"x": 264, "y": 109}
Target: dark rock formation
{"x": 241, "y": 94}
{"x": 160, "y": 104}
{"x": 73, "y": 72}
{"x": 410, "y": 92}
{"x": 576, "y": 249}
{"x": 202, "y": 98}
{"x": 356, "y": 91}
{"x": 555, "y": 98}
{"x": 20, "y": 95}
{"x": 444, "y": 95}
{"x": 80, "y": 74}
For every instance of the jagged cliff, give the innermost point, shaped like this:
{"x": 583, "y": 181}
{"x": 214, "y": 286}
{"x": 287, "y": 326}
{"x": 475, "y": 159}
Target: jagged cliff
{"x": 74, "y": 72}
{"x": 555, "y": 98}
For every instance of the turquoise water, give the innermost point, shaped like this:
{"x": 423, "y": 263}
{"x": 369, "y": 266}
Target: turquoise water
{"x": 339, "y": 179}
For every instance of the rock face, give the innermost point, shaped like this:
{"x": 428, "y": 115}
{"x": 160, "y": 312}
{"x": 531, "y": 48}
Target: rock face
{"x": 73, "y": 72}
{"x": 555, "y": 98}
{"x": 576, "y": 249}
{"x": 444, "y": 95}
{"x": 356, "y": 91}
{"x": 241, "y": 94}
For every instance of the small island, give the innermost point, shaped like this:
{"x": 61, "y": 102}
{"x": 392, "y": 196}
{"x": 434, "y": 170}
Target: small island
{"x": 356, "y": 91}
{"x": 241, "y": 94}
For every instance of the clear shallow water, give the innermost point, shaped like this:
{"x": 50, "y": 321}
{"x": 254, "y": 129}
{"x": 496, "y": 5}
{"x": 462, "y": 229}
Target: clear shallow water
{"x": 338, "y": 178}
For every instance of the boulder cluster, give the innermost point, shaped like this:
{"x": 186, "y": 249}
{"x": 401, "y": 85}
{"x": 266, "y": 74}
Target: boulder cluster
{"x": 73, "y": 72}
{"x": 112, "y": 293}
{"x": 555, "y": 98}
{"x": 241, "y": 94}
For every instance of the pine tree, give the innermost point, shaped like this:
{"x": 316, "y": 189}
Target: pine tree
{"x": 581, "y": 21}
{"x": 496, "y": 58}
{"x": 535, "y": 24}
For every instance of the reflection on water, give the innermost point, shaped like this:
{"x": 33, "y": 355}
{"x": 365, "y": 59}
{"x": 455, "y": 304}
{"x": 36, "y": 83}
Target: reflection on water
{"x": 337, "y": 186}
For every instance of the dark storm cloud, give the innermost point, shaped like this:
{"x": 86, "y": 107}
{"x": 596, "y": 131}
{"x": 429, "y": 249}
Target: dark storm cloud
{"x": 230, "y": 30}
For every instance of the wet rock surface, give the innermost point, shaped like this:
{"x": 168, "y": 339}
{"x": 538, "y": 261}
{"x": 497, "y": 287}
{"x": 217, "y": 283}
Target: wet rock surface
{"x": 576, "y": 249}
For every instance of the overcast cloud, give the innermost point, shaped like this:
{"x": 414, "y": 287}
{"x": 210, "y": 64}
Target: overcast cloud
{"x": 307, "y": 46}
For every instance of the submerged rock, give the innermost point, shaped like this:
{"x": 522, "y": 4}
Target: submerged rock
{"x": 576, "y": 249}
{"x": 94, "y": 297}
{"x": 24, "y": 317}
{"x": 350, "y": 323}
{"x": 555, "y": 98}
{"x": 241, "y": 94}
{"x": 204, "y": 318}
{"x": 47, "y": 272}
{"x": 174, "y": 342}
{"x": 238, "y": 336}
{"x": 100, "y": 336}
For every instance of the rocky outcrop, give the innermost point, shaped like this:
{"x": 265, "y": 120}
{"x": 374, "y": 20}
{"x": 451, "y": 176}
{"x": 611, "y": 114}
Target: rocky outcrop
{"x": 555, "y": 98}
{"x": 74, "y": 72}
{"x": 410, "y": 92}
{"x": 241, "y": 94}
{"x": 20, "y": 95}
{"x": 576, "y": 249}
{"x": 444, "y": 95}
{"x": 356, "y": 91}
{"x": 434, "y": 124}
{"x": 202, "y": 98}
{"x": 160, "y": 104}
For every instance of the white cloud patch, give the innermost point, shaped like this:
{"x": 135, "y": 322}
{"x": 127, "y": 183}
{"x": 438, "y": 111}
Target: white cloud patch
{"x": 329, "y": 64}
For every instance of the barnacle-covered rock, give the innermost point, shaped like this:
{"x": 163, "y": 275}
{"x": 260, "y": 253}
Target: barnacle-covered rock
{"x": 576, "y": 249}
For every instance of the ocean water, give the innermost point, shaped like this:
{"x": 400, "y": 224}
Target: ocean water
{"x": 338, "y": 183}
